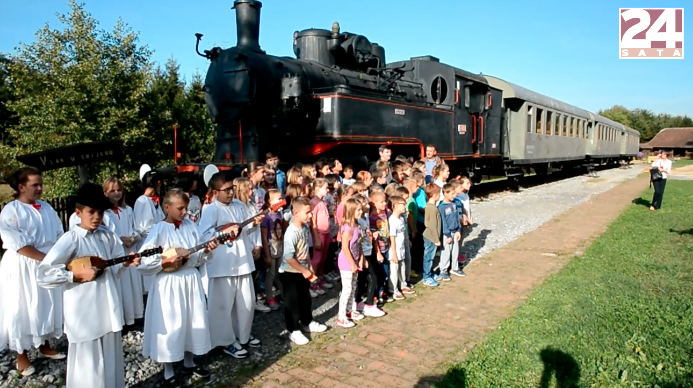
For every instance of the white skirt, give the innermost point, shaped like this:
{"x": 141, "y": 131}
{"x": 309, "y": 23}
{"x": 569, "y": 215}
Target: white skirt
{"x": 31, "y": 314}
{"x": 131, "y": 295}
{"x": 231, "y": 307}
{"x": 176, "y": 318}
{"x": 96, "y": 364}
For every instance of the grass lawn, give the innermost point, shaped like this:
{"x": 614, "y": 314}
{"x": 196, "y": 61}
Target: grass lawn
{"x": 621, "y": 315}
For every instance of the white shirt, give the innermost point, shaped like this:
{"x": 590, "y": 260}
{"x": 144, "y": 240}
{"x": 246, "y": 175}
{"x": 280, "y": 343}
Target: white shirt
{"x": 234, "y": 259}
{"x": 247, "y": 211}
{"x": 147, "y": 214}
{"x": 91, "y": 309}
{"x": 397, "y": 229}
{"x": 22, "y": 225}
{"x": 165, "y": 235}
{"x": 121, "y": 223}
{"x": 665, "y": 164}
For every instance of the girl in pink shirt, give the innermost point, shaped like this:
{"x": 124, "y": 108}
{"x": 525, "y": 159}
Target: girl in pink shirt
{"x": 321, "y": 232}
{"x": 350, "y": 262}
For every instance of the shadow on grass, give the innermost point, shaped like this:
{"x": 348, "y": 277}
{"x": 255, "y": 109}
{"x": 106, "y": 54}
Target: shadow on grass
{"x": 641, "y": 202}
{"x": 557, "y": 364}
{"x": 682, "y": 232}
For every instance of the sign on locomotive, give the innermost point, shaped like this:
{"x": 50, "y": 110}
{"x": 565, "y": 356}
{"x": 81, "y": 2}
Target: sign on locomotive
{"x": 340, "y": 97}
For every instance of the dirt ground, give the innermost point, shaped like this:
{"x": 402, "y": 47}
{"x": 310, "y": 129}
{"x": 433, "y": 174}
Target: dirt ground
{"x": 416, "y": 341}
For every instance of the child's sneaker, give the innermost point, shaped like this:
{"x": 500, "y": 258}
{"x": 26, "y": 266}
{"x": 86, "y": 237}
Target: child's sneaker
{"x": 457, "y": 272}
{"x": 272, "y": 303}
{"x": 313, "y": 294}
{"x": 373, "y": 311}
{"x": 315, "y": 327}
{"x": 407, "y": 290}
{"x": 298, "y": 338}
{"x": 430, "y": 282}
{"x": 445, "y": 277}
{"x": 398, "y": 296}
{"x": 325, "y": 284}
{"x": 354, "y": 315}
{"x": 345, "y": 323}
{"x": 259, "y": 306}
{"x": 437, "y": 278}
{"x": 413, "y": 274}
{"x": 236, "y": 350}
{"x": 315, "y": 287}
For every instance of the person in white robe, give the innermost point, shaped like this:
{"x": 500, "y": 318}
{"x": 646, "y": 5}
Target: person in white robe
{"x": 30, "y": 315}
{"x": 176, "y": 323}
{"x": 92, "y": 306}
{"x": 226, "y": 277}
{"x": 187, "y": 182}
{"x": 148, "y": 212}
{"x": 120, "y": 219}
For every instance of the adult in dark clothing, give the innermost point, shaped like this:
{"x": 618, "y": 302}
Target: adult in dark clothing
{"x": 385, "y": 155}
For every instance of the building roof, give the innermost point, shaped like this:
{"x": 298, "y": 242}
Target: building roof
{"x": 671, "y": 138}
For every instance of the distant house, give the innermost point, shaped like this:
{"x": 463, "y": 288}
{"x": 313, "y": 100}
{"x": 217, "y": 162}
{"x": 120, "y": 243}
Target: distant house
{"x": 677, "y": 140}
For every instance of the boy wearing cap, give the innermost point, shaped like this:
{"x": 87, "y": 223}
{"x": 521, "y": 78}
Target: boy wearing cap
{"x": 92, "y": 308}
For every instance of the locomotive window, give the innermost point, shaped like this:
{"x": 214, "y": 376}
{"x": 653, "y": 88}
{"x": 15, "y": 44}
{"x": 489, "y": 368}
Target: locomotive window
{"x": 529, "y": 118}
{"x": 439, "y": 90}
{"x": 549, "y": 122}
{"x": 538, "y": 118}
{"x": 556, "y": 124}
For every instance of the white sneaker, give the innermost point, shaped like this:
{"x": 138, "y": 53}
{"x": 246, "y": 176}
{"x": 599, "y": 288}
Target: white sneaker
{"x": 373, "y": 311}
{"x": 346, "y": 323}
{"x": 313, "y": 294}
{"x": 315, "y": 327}
{"x": 261, "y": 307}
{"x": 298, "y": 338}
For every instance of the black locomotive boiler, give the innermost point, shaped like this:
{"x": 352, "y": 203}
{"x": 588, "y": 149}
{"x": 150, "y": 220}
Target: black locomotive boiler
{"x": 339, "y": 97}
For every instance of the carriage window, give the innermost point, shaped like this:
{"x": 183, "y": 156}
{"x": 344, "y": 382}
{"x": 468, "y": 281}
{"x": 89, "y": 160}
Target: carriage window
{"x": 557, "y": 124}
{"x": 538, "y": 118}
{"x": 549, "y": 122}
{"x": 569, "y": 123}
{"x": 584, "y": 128}
{"x": 564, "y": 125}
{"x": 529, "y": 118}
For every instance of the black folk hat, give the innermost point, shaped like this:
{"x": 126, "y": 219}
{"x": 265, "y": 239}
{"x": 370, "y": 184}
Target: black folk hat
{"x": 91, "y": 195}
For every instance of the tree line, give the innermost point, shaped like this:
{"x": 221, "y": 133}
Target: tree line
{"x": 82, "y": 83}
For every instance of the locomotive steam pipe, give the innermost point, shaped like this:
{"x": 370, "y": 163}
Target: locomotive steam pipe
{"x": 248, "y": 24}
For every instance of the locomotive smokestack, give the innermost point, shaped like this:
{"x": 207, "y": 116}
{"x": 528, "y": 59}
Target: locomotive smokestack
{"x": 248, "y": 23}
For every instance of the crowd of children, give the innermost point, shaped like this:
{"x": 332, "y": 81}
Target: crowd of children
{"x": 221, "y": 259}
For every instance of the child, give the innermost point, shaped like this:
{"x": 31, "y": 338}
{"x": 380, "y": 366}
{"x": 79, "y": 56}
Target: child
{"x": 381, "y": 232}
{"x": 380, "y": 178}
{"x": 321, "y": 233}
{"x": 370, "y": 309}
{"x": 93, "y": 310}
{"x": 188, "y": 183}
{"x": 226, "y": 275}
{"x": 30, "y": 315}
{"x": 397, "y": 256}
{"x": 350, "y": 263}
{"x": 122, "y": 223}
{"x": 431, "y": 234}
{"x": 255, "y": 173}
{"x": 467, "y": 220}
{"x": 272, "y": 245}
{"x": 420, "y": 200}
{"x": 406, "y": 218}
{"x": 451, "y": 231}
{"x": 440, "y": 175}
{"x": 176, "y": 324}
{"x": 296, "y": 274}
{"x": 348, "y": 175}
{"x": 331, "y": 200}
{"x": 148, "y": 212}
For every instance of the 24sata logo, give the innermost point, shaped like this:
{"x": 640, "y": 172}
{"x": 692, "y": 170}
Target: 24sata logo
{"x": 651, "y": 33}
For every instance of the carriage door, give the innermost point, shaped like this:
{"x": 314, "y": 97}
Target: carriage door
{"x": 470, "y": 118}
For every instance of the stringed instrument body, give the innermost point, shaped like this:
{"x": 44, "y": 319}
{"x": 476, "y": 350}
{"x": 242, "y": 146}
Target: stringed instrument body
{"x": 174, "y": 252}
{"x": 101, "y": 264}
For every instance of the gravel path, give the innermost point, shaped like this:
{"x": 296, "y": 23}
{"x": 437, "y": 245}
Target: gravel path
{"x": 499, "y": 219}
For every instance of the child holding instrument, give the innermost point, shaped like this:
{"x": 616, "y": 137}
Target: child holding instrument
{"x": 226, "y": 276}
{"x": 30, "y": 315}
{"x": 296, "y": 275}
{"x": 148, "y": 211}
{"x": 176, "y": 324}
{"x": 122, "y": 223}
{"x": 93, "y": 310}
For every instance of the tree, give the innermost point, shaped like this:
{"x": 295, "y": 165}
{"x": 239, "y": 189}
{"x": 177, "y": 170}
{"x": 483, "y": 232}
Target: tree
{"x": 79, "y": 84}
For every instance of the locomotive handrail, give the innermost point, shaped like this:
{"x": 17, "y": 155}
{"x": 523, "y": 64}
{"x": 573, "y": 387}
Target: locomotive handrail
{"x": 481, "y": 129}
{"x": 473, "y": 129}
{"x": 457, "y": 96}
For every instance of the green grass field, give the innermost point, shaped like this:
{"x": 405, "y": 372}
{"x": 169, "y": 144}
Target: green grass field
{"x": 621, "y": 315}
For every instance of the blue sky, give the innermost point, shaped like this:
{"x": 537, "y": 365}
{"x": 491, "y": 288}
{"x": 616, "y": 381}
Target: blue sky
{"x": 567, "y": 50}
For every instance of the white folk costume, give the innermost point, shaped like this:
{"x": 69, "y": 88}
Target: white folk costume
{"x": 30, "y": 314}
{"x": 176, "y": 319}
{"x": 93, "y": 310}
{"x": 122, "y": 223}
{"x": 148, "y": 212}
{"x": 227, "y": 278}
{"x": 194, "y": 209}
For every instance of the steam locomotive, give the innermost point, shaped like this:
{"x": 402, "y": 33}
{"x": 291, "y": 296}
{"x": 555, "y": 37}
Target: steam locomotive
{"x": 340, "y": 98}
